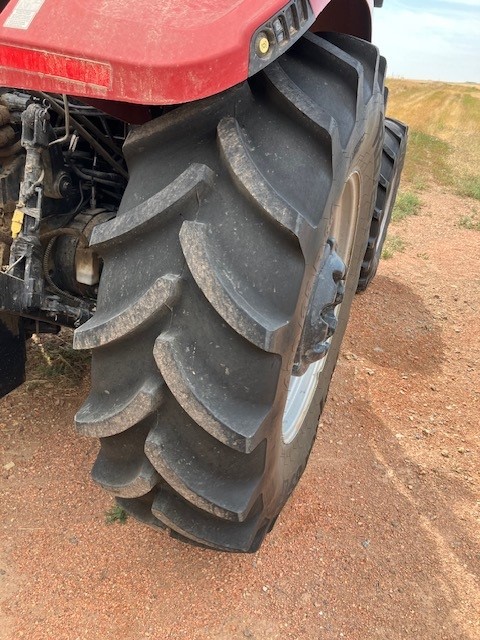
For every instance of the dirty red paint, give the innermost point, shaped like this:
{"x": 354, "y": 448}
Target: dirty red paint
{"x": 138, "y": 51}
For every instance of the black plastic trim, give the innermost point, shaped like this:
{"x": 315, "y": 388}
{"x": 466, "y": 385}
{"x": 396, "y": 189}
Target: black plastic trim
{"x": 282, "y": 30}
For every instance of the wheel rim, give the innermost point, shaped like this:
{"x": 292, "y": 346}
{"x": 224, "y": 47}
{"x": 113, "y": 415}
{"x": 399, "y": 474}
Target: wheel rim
{"x": 302, "y": 388}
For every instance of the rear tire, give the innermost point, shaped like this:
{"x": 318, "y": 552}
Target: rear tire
{"x": 208, "y": 272}
{"x": 393, "y": 159}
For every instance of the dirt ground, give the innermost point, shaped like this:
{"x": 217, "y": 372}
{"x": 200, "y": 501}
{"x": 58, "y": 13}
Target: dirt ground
{"x": 381, "y": 540}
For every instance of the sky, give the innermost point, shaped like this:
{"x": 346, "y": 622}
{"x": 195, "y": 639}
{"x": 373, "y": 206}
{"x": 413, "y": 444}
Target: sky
{"x": 430, "y": 39}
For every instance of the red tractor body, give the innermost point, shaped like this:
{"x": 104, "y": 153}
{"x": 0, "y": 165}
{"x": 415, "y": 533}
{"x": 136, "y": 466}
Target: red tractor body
{"x": 144, "y": 52}
{"x": 207, "y": 258}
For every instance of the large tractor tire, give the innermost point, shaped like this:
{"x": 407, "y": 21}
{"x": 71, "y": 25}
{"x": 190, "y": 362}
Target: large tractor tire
{"x": 393, "y": 159}
{"x": 232, "y": 265}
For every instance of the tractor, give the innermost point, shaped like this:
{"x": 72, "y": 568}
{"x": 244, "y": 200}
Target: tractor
{"x": 198, "y": 190}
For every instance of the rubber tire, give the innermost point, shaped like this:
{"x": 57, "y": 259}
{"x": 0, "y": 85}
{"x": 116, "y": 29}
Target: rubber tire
{"x": 393, "y": 159}
{"x": 207, "y": 272}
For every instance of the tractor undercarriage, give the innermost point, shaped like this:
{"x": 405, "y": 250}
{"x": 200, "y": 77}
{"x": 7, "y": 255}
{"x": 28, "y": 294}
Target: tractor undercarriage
{"x": 62, "y": 173}
{"x": 50, "y": 177}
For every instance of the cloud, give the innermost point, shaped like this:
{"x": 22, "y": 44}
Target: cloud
{"x": 460, "y": 3}
{"x": 440, "y": 41}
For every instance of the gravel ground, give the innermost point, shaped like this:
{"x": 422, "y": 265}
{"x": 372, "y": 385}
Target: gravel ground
{"x": 380, "y": 540}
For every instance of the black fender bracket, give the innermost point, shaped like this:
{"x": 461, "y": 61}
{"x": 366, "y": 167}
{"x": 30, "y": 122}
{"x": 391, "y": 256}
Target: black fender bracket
{"x": 12, "y": 353}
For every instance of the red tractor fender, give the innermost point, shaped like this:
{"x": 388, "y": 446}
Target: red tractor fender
{"x": 155, "y": 53}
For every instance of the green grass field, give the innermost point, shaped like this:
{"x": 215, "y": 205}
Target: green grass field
{"x": 444, "y": 144}
{"x": 443, "y": 148}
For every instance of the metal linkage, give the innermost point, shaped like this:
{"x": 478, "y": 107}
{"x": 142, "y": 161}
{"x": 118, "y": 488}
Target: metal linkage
{"x": 26, "y": 250}
{"x": 22, "y": 285}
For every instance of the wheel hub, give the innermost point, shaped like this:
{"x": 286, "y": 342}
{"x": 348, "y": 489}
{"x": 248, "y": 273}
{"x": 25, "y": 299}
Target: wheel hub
{"x": 321, "y": 320}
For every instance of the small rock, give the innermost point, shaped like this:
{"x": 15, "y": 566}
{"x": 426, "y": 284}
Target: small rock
{"x": 370, "y": 372}
{"x": 461, "y": 449}
{"x": 445, "y": 453}
{"x": 9, "y": 466}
